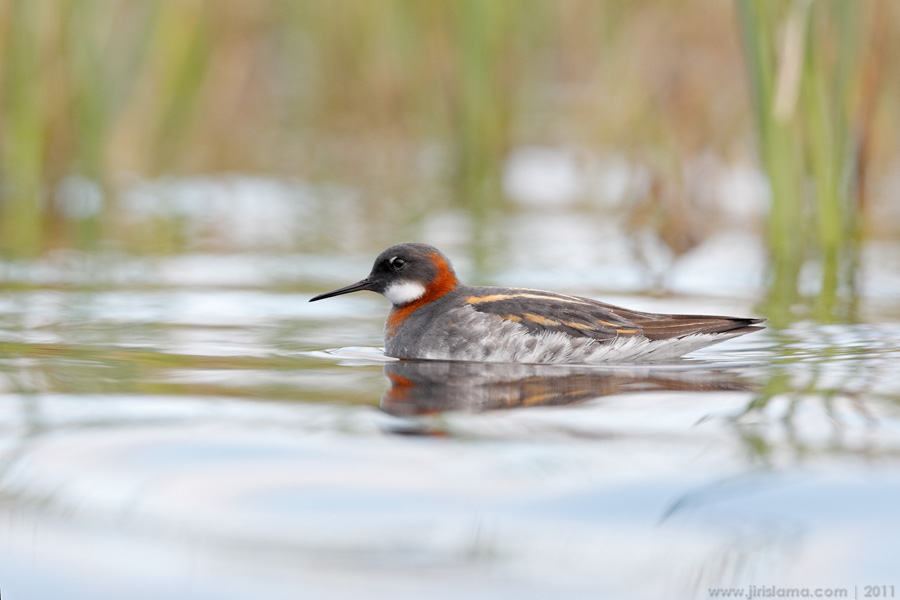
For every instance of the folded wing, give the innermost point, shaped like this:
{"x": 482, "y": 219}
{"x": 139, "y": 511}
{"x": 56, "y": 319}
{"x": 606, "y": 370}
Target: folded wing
{"x": 541, "y": 312}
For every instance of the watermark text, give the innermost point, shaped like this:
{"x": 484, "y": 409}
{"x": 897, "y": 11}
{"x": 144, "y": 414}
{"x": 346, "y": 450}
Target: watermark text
{"x": 773, "y": 591}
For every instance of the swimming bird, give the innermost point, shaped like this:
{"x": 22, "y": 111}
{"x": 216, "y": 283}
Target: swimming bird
{"x": 434, "y": 316}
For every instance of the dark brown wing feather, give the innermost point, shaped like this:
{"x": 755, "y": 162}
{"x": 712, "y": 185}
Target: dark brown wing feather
{"x": 540, "y": 311}
{"x": 662, "y": 327}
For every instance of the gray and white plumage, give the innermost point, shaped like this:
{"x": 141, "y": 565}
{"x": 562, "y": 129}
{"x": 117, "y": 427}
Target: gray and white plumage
{"x": 434, "y": 316}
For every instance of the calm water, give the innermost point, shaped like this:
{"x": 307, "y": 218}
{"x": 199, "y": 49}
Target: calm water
{"x": 190, "y": 427}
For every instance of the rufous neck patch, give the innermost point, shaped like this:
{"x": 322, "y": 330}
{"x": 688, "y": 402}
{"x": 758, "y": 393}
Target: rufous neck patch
{"x": 443, "y": 283}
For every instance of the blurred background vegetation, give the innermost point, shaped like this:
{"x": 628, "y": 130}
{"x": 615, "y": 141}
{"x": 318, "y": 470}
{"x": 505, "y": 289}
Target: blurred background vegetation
{"x": 383, "y": 95}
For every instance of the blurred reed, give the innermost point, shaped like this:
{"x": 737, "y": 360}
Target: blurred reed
{"x": 381, "y": 94}
{"x": 817, "y": 74}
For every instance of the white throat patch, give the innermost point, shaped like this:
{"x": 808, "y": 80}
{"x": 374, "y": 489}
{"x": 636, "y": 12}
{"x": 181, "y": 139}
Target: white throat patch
{"x": 404, "y": 292}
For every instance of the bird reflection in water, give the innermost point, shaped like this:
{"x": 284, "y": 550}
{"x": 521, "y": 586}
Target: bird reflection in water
{"x": 426, "y": 386}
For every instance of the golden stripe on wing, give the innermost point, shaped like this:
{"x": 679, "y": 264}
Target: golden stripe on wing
{"x": 541, "y": 320}
{"x": 498, "y": 297}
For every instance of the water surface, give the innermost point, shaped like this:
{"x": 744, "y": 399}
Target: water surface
{"x": 192, "y": 427}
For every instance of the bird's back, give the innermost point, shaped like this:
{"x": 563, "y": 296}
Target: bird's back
{"x": 522, "y": 325}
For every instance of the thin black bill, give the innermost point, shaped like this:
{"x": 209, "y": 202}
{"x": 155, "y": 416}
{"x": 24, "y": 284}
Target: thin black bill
{"x": 359, "y": 286}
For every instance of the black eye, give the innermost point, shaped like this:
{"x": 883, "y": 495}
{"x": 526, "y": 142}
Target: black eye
{"x": 396, "y": 263}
